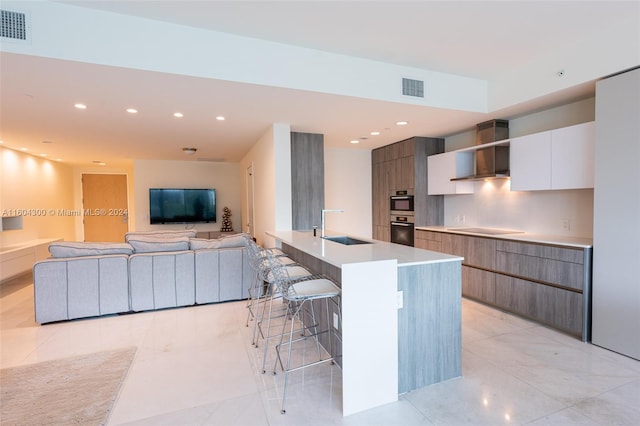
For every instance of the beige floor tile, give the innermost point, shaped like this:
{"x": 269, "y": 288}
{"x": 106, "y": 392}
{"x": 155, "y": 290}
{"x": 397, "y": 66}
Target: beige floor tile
{"x": 196, "y": 366}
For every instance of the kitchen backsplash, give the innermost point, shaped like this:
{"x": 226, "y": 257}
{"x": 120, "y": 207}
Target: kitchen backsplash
{"x": 493, "y": 204}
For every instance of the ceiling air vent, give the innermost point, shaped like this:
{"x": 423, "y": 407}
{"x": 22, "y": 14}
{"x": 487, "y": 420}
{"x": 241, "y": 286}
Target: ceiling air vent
{"x": 413, "y": 87}
{"x": 13, "y": 25}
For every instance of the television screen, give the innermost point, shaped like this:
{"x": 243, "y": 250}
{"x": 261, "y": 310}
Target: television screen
{"x": 168, "y": 205}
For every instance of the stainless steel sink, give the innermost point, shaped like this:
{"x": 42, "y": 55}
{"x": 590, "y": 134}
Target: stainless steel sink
{"x": 488, "y": 231}
{"x": 347, "y": 241}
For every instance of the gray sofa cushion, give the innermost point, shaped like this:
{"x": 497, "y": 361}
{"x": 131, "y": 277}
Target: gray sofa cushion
{"x": 189, "y": 233}
{"x": 230, "y": 241}
{"x": 79, "y": 249}
{"x": 227, "y": 241}
{"x": 150, "y": 244}
{"x": 202, "y": 243}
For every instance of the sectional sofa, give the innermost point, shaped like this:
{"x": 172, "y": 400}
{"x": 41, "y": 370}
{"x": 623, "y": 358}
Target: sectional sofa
{"x": 151, "y": 270}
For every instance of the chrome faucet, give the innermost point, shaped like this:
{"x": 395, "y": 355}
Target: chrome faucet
{"x": 322, "y": 224}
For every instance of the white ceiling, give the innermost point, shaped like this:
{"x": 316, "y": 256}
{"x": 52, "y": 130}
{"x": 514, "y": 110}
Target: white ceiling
{"x": 474, "y": 39}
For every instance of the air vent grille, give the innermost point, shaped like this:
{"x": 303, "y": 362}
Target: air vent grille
{"x": 13, "y": 25}
{"x": 413, "y": 87}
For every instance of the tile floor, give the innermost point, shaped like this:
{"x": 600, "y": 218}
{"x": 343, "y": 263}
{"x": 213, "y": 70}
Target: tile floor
{"x": 195, "y": 366}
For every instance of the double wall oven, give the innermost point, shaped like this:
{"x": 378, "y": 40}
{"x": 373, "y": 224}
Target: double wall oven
{"x": 402, "y": 218}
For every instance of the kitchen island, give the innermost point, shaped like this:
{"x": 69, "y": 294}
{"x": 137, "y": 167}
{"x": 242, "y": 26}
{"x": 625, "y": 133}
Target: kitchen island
{"x": 400, "y": 328}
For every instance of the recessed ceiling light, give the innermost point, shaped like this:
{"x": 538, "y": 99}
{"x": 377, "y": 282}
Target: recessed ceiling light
{"x": 364, "y": 138}
{"x": 47, "y": 141}
{"x": 374, "y": 133}
{"x": 132, "y": 110}
{"x": 80, "y": 106}
{"x": 43, "y": 155}
{"x": 355, "y": 141}
{"x": 58, "y": 159}
{"x": 189, "y": 151}
{"x": 178, "y": 114}
{"x": 402, "y": 123}
{"x": 24, "y": 149}
{"x": 99, "y": 163}
{"x": 220, "y": 118}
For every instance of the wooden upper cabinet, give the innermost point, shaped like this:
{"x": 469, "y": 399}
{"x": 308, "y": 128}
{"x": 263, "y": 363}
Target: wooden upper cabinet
{"x": 377, "y": 156}
{"x": 407, "y": 177}
{"x": 399, "y": 167}
{"x": 407, "y": 148}
{"x": 307, "y": 179}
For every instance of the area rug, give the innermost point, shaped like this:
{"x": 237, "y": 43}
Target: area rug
{"x": 72, "y": 391}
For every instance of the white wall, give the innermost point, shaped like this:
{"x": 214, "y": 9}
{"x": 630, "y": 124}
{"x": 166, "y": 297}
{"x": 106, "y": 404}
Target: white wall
{"x": 347, "y": 185}
{"x": 29, "y": 182}
{"x": 493, "y": 205}
{"x": 192, "y": 51}
{"x": 225, "y": 178}
{"x": 270, "y": 158}
{"x": 551, "y": 118}
{"x": 544, "y": 212}
{"x": 282, "y": 177}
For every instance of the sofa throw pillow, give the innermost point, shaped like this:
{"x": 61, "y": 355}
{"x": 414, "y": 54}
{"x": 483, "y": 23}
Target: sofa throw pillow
{"x": 189, "y": 233}
{"x": 201, "y": 243}
{"x": 79, "y": 249}
{"x": 150, "y": 244}
{"x": 236, "y": 240}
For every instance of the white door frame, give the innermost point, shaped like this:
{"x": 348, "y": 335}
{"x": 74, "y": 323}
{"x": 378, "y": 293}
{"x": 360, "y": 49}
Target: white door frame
{"x": 251, "y": 211}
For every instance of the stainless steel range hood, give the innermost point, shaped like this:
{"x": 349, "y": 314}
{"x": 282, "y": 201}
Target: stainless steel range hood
{"x": 491, "y": 162}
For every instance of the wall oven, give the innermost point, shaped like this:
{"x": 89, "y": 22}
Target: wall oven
{"x": 402, "y": 230}
{"x": 401, "y": 203}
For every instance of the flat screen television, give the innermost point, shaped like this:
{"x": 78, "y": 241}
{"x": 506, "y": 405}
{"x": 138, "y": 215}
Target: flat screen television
{"x": 169, "y": 205}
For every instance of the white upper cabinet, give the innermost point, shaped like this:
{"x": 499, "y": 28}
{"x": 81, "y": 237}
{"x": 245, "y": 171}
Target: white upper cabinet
{"x": 443, "y": 167}
{"x": 572, "y": 156}
{"x": 556, "y": 159}
{"x": 530, "y": 162}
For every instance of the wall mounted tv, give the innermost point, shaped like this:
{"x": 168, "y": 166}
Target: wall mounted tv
{"x": 168, "y": 205}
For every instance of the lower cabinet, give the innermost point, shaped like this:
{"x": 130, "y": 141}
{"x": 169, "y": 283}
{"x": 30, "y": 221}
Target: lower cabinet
{"x": 428, "y": 240}
{"x": 558, "y": 308}
{"x": 382, "y": 233}
{"x": 546, "y": 283}
{"x": 479, "y": 284}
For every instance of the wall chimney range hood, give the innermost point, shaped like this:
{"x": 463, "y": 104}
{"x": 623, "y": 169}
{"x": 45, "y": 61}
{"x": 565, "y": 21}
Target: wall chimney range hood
{"x": 491, "y": 162}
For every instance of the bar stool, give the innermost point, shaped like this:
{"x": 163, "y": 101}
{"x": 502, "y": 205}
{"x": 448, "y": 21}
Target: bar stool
{"x": 256, "y": 288}
{"x": 296, "y": 294}
{"x": 263, "y": 291}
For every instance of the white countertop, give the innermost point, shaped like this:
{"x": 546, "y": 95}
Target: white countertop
{"x": 27, "y": 244}
{"x": 516, "y": 236}
{"x": 339, "y": 254}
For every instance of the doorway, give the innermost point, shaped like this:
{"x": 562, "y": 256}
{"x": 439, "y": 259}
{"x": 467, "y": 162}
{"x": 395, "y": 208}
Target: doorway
{"x": 105, "y": 207}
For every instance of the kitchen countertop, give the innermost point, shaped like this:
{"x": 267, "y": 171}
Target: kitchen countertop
{"x": 513, "y": 235}
{"x": 339, "y": 254}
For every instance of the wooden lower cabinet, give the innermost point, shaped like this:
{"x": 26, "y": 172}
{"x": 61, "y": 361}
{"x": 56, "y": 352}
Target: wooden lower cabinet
{"x": 428, "y": 240}
{"x": 477, "y": 251}
{"x": 558, "y": 308}
{"x": 546, "y": 283}
{"x": 479, "y": 284}
{"x": 382, "y": 233}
